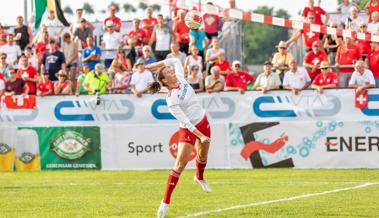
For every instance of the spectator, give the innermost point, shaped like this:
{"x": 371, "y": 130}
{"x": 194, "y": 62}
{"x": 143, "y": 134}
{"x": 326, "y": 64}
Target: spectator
{"x": 331, "y": 44}
{"x": 123, "y": 60}
{"x": 112, "y": 9}
{"x": 212, "y": 24}
{"x": 267, "y": 80}
{"x": 363, "y": 45}
{"x": 371, "y": 7}
{"x": 317, "y": 11}
{"x": 3, "y": 39}
{"x": 12, "y": 50}
{"x": 3, "y": 33}
{"x": 347, "y": 54}
{"x": 313, "y": 59}
{"x": 54, "y": 26}
{"x": 199, "y": 39}
{"x": 15, "y": 86}
{"x": 212, "y": 53}
{"x": 111, "y": 42}
{"x": 193, "y": 59}
{"x": 181, "y": 32}
{"x": 120, "y": 82}
{"x": 81, "y": 34}
{"x": 222, "y": 63}
{"x": 238, "y": 80}
{"x": 63, "y": 86}
{"x": 2, "y": 85}
{"x": 374, "y": 24}
{"x": 96, "y": 81}
{"x": 141, "y": 78}
{"x": 137, "y": 37}
{"x": 296, "y": 79}
{"x": 195, "y": 79}
{"x": 327, "y": 79}
{"x": 176, "y": 53}
{"x": 362, "y": 79}
{"x": 80, "y": 89}
{"x": 214, "y": 82}
{"x": 149, "y": 23}
{"x": 23, "y": 34}
{"x": 344, "y": 7}
{"x": 44, "y": 86}
{"x": 162, "y": 34}
{"x": 28, "y": 73}
{"x": 31, "y": 58}
{"x": 4, "y": 66}
{"x": 70, "y": 51}
{"x": 281, "y": 59}
{"x": 41, "y": 46}
{"x": 353, "y": 21}
{"x": 372, "y": 61}
{"x": 92, "y": 54}
{"x": 53, "y": 61}
{"x": 78, "y": 20}
{"x": 146, "y": 57}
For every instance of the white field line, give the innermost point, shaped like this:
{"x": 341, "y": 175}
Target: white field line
{"x": 278, "y": 200}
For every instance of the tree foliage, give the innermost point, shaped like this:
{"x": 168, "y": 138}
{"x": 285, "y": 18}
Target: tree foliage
{"x": 88, "y": 8}
{"x": 129, "y": 8}
{"x": 361, "y": 3}
{"x": 116, "y": 5}
{"x": 142, "y": 5}
{"x": 68, "y": 10}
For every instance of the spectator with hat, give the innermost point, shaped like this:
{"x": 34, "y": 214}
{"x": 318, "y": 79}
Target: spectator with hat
{"x": 141, "y": 78}
{"x": 63, "y": 86}
{"x": 112, "y": 9}
{"x": 45, "y": 86}
{"x": 238, "y": 80}
{"x": 112, "y": 41}
{"x": 214, "y": 82}
{"x": 296, "y": 79}
{"x": 267, "y": 80}
{"x": 92, "y": 54}
{"x": 281, "y": 59}
{"x": 362, "y": 78}
{"x": 313, "y": 59}
{"x": 96, "y": 81}
{"x": 327, "y": 79}
{"x": 53, "y": 61}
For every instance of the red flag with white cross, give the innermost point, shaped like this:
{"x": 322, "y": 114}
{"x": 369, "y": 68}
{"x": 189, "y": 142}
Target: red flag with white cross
{"x": 361, "y": 100}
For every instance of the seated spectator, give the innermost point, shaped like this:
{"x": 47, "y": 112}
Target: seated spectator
{"x": 15, "y": 86}
{"x": 4, "y": 66}
{"x": 344, "y": 8}
{"x": 81, "y": 34}
{"x": 327, "y": 79}
{"x": 120, "y": 81}
{"x": 23, "y": 34}
{"x": 214, "y": 82}
{"x": 318, "y": 11}
{"x": 141, "y": 78}
{"x": 146, "y": 57}
{"x": 374, "y": 24}
{"x": 53, "y": 61}
{"x": 222, "y": 63}
{"x": 123, "y": 60}
{"x": 92, "y": 54}
{"x": 80, "y": 89}
{"x": 195, "y": 79}
{"x": 193, "y": 59}
{"x": 353, "y": 21}
{"x": 31, "y": 58}
{"x": 313, "y": 59}
{"x": 362, "y": 79}
{"x": 181, "y": 32}
{"x": 267, "y": 80}
{"x": 112, "y": 41}
{"x": 372, "y": 61}
{"x": 176, "y": 53}
{"x": 199, "y": 39}
{"x": 371, "y": 7}
{"x": 63, "y": 86}
{"x": 347, "y": 54}
{"x": 162, "y": 35}
{"x": 331, "y": 44}
{"x": 238, "y": 80}
{"x": 44, "y": 86}
{"x": 96, "y": 81}
{"x": 281, "y": 59}
{"x": 296, "y": 79}
{"x": 212, "y": 24}
{"x": 212, "y": 53}
{"x": 54, "y": 26}
{"x": 28, "y": 73}
{"x": 112, "y": 9}
{"x": 70, "y": 51}
{"x": 12, "y": 50}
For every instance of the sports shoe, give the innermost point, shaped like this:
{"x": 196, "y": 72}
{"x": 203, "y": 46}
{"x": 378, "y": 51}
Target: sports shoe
{"x": 203, "y": 183}
{"x": 162, "y": 211}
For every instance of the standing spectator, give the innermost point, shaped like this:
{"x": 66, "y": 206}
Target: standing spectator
{"x": 123, "y": 60}
{"x": 54, "y": 26}
{"x": 296, "y": 79}
{"x": 12, "y": 50}
{"x": 362, "y": 79}
{"x": 137, "y": 36}
{"x": 162, "y": 35}
{"x": 96, "y": 81}
{"x": 3, "y": 33}
{"x": 3, "y": 39}
{"x": 2, "y": 85}
{"x": 120, "y": 82}
{"x": 353, "y": 21}
{"x": 141, "y": 78}
{"x": 363, "y": 45}
{"x": 199, "y": 39}
{"x": 238, "y": 80}
{"x": 41, "y": 46}
{"x": 331, "y": 44}
{"x": 31, "y": 58}
{"x": 181, "y": 32}
{"x": 222, "y": 63}
{"x": 193, "y": 59}
{"x": 80, "y": 89}
{"x": 63, "y": 86}
{"x": 281, "y": 59}
{"x": 372, "y": 61}
{"x": 267, "y": 80}
{"x": 70, "y": 51}
{"x": 92, "y": 54}
{"x": 112, "y": 9}
{"x": 212, "y": 53}
{"x": 214, "y": 82}
{"x": 81, "y": 34}
{"x": 78, "y": 19}
{"x": 53, "y": 61}
{"x": 347, "y": 54}
{"x": 146, "y": 57}
{"x": 344, "y": 7}
{"x": 374, "y": 24}
{"x": 327, "y": 79}
{"x": 149, "y": 23}
{"x": 23, "y": 34}
{"x": 195, "y": 79}
{"x": 45, "y": 86}
{"x": 28, "y": 73}
{"x": 313, "y": 59}
{"x": 15, "y": 86}
{"x": 212, "y": 24}
{"x": 4, "y": 66}
{"x": 176, "y": 53}
{"x": 371, "y": 7}
{"x": 111, "y": 42}
{"x": 317, "y": 11}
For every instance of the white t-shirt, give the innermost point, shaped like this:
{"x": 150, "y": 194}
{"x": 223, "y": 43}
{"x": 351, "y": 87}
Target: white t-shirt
{"x": 372, "y": 27}
{"x": 198, "y": 62}
{"x": 209, "y": 80}
{"x": 2, "y": 85}
{"x": 53, "y": 27}
{"x": 163, "y": 36}
{"x": 12, "y": 52}
{"x": 141, "y": 80}
{"x": 111, "y": 41}
{"x": 296, "y": 80}
{"x": 361, "y": 79}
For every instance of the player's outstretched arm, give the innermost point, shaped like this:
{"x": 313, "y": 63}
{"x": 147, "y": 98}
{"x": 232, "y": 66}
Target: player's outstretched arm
{"x": 155, "y": 66}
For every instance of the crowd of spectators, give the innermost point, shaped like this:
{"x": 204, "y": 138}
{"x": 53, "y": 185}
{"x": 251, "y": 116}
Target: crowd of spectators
{"x": 55, "y": 61}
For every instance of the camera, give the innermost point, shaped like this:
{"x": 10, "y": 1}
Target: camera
{"x": 97, "y": 96}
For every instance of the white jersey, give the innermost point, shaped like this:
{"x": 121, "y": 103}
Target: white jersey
{"x": 182, "y": 101}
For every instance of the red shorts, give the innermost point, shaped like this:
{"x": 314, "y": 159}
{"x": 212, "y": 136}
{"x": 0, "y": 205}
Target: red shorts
{"x": 187, "y": 136}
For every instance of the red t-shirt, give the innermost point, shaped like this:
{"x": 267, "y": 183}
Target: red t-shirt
{"x": 182, "y": 30}
{"x": 116, "y": 21}
{"x": 372, "y": 9}
{"x": 240, "y": 80}
{"x": 364, "y": 47}
{"x": 309, "y": 38}
{"x": 31, "y": 73}
{"x": 149, "y": 21}
{"x": 373, "y": 57}
{"x": 211, "y": 23}
{"x": 330, "y": 78}
{"x": 140, "y": 34}
{"x": 312, "y": 58}
{"x": 347, "y": 56}
{"x": 41, "y": 48}
{"x": 45, "y": 87}
{"x": 223, "y": 66}
{"x": 317, "y": 11}
{"x": 63, "y": 86}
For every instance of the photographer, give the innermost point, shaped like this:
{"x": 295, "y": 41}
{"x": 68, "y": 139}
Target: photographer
{"x": 96, "y": 81}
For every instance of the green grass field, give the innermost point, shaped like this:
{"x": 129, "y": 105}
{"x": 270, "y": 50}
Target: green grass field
{"x": 137, "y": 194}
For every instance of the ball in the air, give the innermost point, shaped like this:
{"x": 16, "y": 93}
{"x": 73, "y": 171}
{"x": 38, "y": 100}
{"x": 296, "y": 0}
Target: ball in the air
{"x": 193, "y": 19}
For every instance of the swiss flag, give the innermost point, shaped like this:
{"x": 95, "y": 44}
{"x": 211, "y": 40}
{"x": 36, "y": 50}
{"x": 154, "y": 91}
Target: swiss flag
{"x": 361, "y": 100}
{"x": 19, "y": 102}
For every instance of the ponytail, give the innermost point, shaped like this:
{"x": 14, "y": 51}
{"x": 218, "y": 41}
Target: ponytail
{"x": 154, "y": 87}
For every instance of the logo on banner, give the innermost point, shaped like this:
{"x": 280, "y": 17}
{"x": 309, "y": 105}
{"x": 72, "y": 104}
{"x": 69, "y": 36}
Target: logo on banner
{"x": 371, "y": 111}
{"x": 173, "y": 146}
{"x": 352, "y": 144}
{"x": 27, "y": 157}
{"x": 4, "y": 148}
{"x": 70, "y": 145}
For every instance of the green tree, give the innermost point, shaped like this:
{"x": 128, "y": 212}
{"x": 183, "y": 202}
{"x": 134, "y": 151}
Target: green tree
{"x": 361, "y": 3}
{"x": 129, "y": 8}
{"x": 260, "y": 39}
{"x": 88, "y": 8}
{"x": 142, "y": 6}
{"x": 68, "y": 10}
{"x": 117, "y": 6}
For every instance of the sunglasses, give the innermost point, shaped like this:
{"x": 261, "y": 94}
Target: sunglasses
{"x": 237, "y": 66}
{"x": 283, "y": 48}
{"x": 323, "y": 68}
{"x": 3, "y": 58}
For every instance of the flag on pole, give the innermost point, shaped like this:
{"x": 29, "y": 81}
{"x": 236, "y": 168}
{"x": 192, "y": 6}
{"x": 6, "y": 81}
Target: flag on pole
{"x": 361, "y": 100}
{"x": 42, "y": 7}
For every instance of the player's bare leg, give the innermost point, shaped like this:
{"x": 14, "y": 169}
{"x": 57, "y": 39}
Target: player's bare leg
{"x": 201, "y": 162}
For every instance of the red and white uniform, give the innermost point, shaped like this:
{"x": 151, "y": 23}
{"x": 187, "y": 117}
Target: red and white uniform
{"x": 373, "y": 58}
{"x": 330, "y": 78}
{"x": 347, "y": 55}
{"x": 317, "y": 11}
{"x": 314, "y": 59}
{"x": 309, "y": 38}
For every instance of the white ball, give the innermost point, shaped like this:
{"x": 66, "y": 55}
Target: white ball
{"x": 193, "y": 19}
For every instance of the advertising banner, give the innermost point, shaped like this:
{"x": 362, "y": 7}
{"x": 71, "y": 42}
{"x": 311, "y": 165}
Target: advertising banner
{"x": 7, "y": 148}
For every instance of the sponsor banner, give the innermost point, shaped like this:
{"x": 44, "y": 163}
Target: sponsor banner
{"x": 154, "y": 147}
{"x": 7, "y": 148}
{"x": 319, "y": 144}
{"x": 59, "y": 148}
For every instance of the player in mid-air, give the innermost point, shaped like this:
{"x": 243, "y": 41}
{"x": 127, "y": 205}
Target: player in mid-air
{"x": 195, "y": 130}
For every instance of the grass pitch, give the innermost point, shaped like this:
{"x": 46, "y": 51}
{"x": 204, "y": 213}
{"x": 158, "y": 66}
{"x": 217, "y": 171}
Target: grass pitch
{"x": 137, "y": 194}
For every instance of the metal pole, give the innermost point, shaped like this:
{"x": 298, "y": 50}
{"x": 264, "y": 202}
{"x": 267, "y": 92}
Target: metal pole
{"x": 25, "y": 10}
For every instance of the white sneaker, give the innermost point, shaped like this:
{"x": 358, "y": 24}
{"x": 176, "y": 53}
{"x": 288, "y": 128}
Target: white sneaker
{"x": 162, "y": 211}
{"x": 203, "y": 183}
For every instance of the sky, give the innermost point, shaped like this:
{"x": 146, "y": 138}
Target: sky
{"x": 13, "y": 8}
